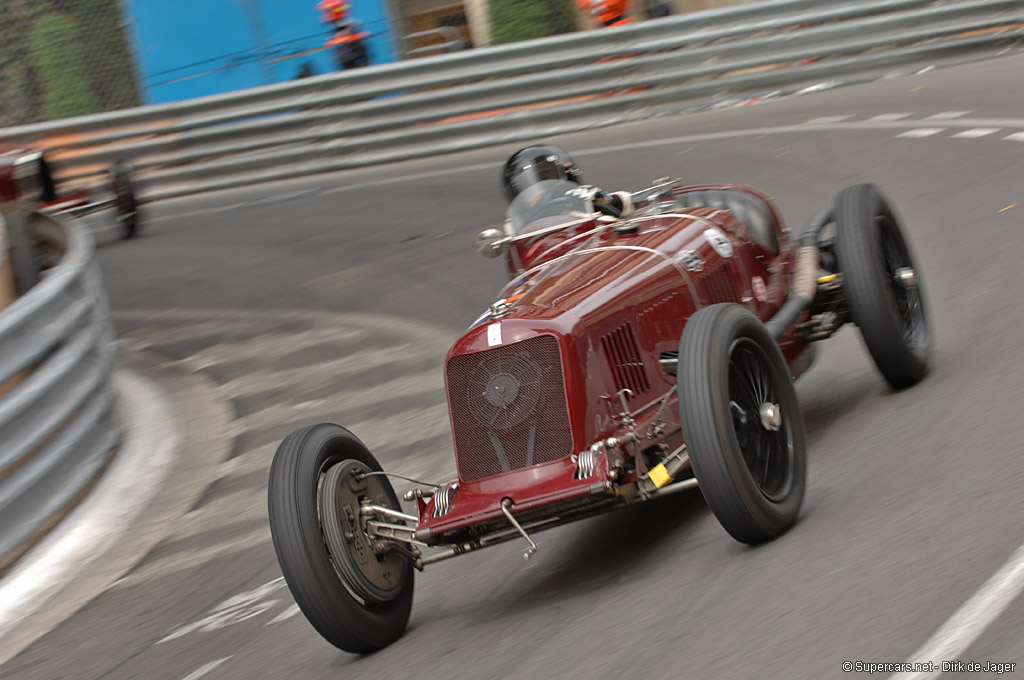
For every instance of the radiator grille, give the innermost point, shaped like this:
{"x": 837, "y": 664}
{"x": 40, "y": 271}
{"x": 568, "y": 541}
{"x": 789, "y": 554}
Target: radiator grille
{"x": 508, "y": 408}
{"x": 624, "y": 359}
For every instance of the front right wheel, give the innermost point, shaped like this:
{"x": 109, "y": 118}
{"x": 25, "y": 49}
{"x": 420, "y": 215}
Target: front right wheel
{"x": 741, "y": 422}
{"x": 357, "y": 598}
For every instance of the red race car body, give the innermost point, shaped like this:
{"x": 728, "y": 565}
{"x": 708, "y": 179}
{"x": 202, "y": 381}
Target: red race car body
{"x": 636, "y": 351}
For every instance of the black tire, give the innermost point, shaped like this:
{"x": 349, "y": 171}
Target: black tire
{"x": 729, "y": 367}
{"x": 871, "y": 249}
{"x": 350, "y": 611}
{"x": 126, "y": 204}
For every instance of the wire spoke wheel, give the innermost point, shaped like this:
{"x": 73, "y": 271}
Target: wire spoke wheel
{"x": 763, "y": 435}
{"x": 741, "y": 422}
{"x": 882, "y": 284}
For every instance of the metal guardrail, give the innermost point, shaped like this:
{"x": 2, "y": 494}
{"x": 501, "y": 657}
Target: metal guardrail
{"x": 515, "y": 92}
{"x": 57, "y": 422}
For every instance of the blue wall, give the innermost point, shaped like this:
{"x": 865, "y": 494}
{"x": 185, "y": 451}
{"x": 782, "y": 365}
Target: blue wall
{"x": 191, "y": 48}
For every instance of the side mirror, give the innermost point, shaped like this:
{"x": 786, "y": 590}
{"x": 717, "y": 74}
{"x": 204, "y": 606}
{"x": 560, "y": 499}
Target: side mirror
{"x": 491, "y": 242}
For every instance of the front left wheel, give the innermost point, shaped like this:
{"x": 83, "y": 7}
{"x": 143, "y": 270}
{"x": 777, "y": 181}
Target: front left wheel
{"x": 359, "y": 600}
{"x": 741, "y": 422}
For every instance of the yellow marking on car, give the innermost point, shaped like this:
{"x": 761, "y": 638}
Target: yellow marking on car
{"x": 827, "y": 279}
{"x": 659, "y": 475}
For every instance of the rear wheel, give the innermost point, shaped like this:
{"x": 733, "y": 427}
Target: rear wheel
{"x": 356, "y": 599}
{"x": 741, "y": 422}
{"x": 882, "y": 284}
{"x": 126, "y": 202}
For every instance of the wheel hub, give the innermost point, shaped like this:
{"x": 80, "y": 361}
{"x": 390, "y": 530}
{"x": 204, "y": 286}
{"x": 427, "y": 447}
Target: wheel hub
{"x": 771, "y": 416}
{"x": 372, "y": 577}
{"x": 906, "y": 277}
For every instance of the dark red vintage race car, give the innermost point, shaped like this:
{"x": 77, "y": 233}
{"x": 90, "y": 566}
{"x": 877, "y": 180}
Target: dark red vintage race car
{"x": 628, "y": 358}
{"x": 27, "y": 178}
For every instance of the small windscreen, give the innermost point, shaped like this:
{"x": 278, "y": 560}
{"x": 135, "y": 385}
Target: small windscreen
{"x": 541, "y": 205}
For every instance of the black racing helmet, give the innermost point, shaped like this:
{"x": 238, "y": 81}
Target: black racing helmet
{"x": 535, "y": 164}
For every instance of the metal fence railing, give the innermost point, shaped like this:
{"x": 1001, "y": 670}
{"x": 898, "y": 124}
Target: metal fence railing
{"x": 57, "y": 422}
{"x": 523, "y": 90}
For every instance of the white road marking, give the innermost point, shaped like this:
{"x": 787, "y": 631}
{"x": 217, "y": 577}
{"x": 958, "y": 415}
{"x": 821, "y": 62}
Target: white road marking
{"x": 819, "y": 87}
{"x": 837, "y": 126}
{"x": 974, "y": 133}
{"x": 889, "y": 117}
{"x": 233, "y": 610}
{"x": 1015, "y": 137}
{"x": 419, "y": 175}
{"x": 285, "y": 615}
{"x": 203, "y": 670}
{"x": 918, "y": 133}
{"x": 972, "y": 618}
{"x": 829, "y": 119}
{"x": 946, "y": 115}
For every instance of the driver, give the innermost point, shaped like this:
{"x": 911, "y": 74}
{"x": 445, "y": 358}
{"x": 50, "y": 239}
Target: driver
{"x": 534, "y": 164}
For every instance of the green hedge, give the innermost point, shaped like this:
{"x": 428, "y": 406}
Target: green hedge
{"x": 54, "y": 42}
{"x": 62, "y": 58}
{"x": 514, "y": 20}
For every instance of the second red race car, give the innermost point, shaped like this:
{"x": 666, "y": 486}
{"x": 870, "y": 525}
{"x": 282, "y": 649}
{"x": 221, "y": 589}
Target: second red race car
{"x": 26, "y": 178}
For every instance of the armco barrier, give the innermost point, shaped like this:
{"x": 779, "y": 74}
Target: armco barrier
{"x": 518, "y": 91}
{"x": 57, "y": 422}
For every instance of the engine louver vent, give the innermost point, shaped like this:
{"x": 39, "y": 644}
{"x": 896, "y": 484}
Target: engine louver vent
{"x": 508, "y": 408}
{"x": 716, "y": 286}
{"x": 624, "y": 358}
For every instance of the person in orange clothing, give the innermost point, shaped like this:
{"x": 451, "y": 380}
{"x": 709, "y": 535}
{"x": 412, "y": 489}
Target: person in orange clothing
{"x": 334, "y": 10}
{"x": 607, "y": 12}
{"x": 347, "y": 40}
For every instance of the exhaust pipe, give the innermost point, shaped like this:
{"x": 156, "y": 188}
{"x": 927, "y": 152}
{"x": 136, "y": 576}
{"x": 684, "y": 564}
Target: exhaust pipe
{"x": 805, "y": 278}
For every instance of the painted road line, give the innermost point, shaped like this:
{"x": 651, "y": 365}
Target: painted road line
{"x": 973, "y": 617}
{"x": 918, "y": 133}
{"x": 888, "y": 117}
{"x": 1015, "y": 137}
{"x": 829, "y": 119}
{"x": 946, "y": 115}
{"x": 974, "y": 133}
{"x": 236, "y": 609}
{"x": 285, "y": 615}
{"x": 827, "y": 125}
{"x": 203, "y": 670}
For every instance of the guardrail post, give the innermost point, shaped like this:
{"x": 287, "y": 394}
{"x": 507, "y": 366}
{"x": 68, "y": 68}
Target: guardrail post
{"x": 23, "y": 259}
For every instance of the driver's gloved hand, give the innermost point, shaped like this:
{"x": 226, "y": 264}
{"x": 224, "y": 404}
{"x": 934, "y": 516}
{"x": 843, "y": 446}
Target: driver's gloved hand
{"x": 620, "y": 203}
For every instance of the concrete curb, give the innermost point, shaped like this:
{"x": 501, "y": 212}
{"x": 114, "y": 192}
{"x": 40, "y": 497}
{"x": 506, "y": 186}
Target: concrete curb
{"x": 174, "y": 446}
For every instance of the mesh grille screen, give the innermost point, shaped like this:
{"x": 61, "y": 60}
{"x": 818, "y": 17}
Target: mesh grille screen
{"x": 508, "y": 408}
{"x": 624, "y": 358}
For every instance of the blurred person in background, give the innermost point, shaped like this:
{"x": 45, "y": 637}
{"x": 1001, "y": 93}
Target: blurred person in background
{"x": 607, "y": 12}
{"x": 655, "y": 9}
{"x": 347, "y": 40}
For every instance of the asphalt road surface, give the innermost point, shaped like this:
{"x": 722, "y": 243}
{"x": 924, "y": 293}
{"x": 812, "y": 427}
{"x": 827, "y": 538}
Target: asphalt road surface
{"x": 334, "y": 298}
